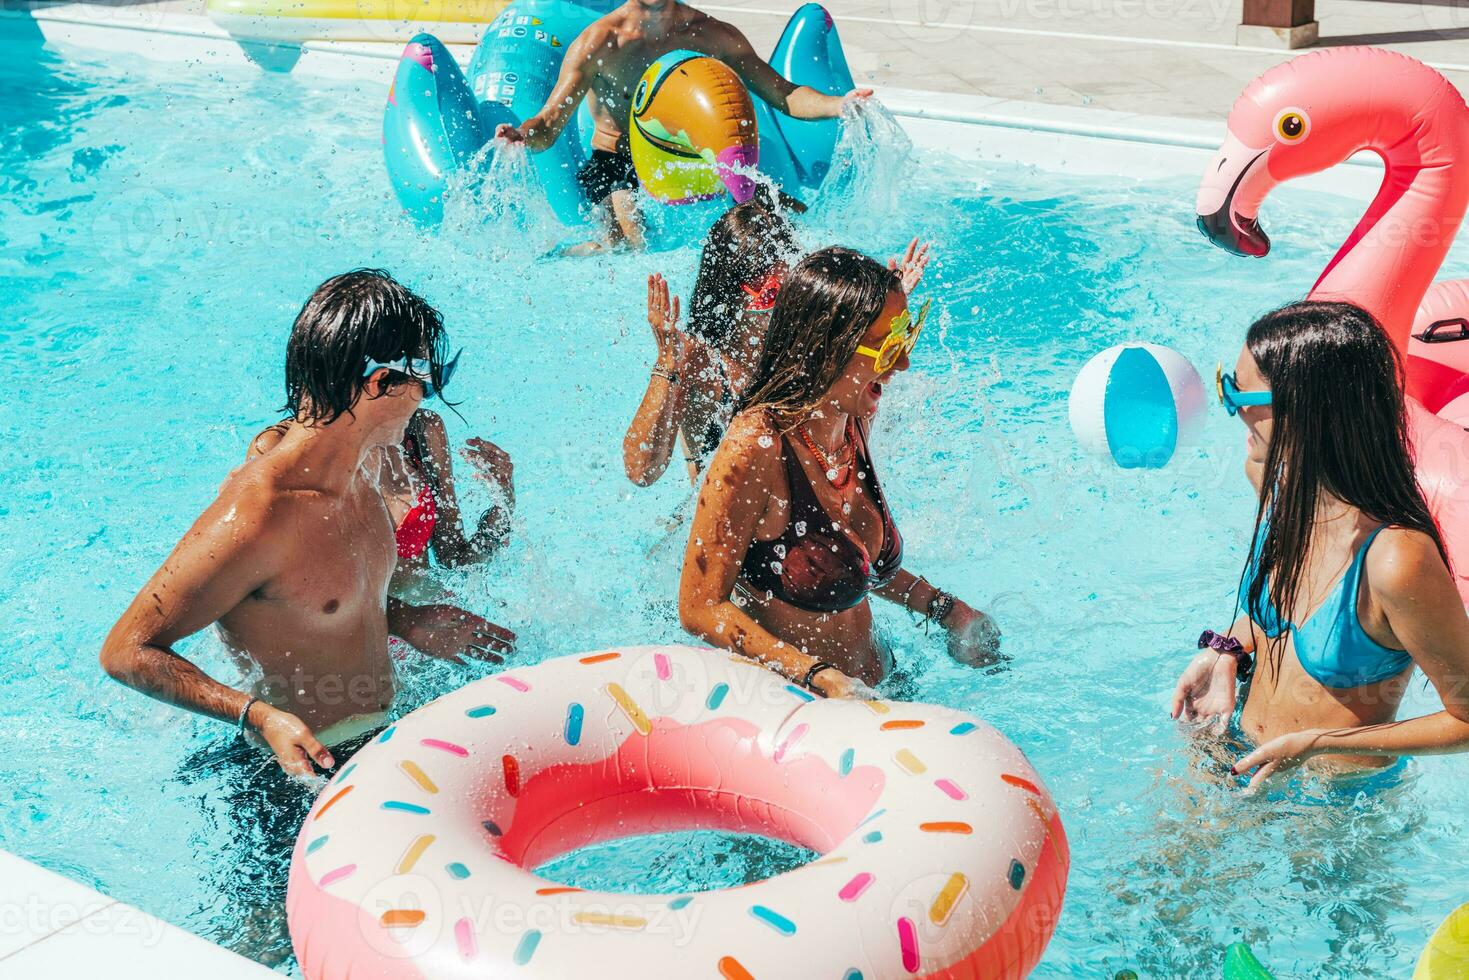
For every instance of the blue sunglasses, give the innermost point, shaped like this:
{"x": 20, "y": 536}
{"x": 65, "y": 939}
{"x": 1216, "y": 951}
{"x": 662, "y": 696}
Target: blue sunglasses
{"x": 1232, "y": 398}
{"x": 418, "y": 369}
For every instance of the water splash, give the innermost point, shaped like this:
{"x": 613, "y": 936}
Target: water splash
{"x": 497, "y": 202}
{"x": 868, "y": 167}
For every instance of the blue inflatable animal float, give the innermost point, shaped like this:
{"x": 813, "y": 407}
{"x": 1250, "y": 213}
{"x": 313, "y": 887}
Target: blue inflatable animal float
{"x": 440, "y": 120}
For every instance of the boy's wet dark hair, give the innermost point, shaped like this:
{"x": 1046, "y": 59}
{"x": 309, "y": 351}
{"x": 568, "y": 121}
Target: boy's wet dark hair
{"x": 358, "y": 315}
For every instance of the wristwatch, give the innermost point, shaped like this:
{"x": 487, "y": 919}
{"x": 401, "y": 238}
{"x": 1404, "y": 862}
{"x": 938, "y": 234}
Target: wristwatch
{"x": 811, "y": 673}
{"x": 1229, "y": 645}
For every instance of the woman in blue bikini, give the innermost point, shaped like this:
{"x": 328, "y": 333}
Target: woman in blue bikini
{"x": 1344, "y": 546}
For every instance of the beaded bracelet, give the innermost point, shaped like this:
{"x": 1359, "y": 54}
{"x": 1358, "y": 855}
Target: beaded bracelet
{"x": 907, "y": 596}
{"x": 940, "y": 606}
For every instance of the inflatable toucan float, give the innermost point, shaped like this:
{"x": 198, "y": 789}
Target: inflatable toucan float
{"x": 696, "y": 132}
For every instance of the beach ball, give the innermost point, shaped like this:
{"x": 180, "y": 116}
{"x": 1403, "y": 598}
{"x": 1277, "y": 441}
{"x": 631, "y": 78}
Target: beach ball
{"x": 1136, "y": 403}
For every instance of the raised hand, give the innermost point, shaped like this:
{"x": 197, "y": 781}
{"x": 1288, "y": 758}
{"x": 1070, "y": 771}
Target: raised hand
{"x": 663, "y": 318}
{"x": 911, "y": 266}
{"x": 490, "y": 463}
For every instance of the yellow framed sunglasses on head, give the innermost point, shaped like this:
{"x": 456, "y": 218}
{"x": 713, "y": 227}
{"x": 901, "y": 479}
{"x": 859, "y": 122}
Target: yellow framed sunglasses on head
{"x": 902, "y": 335}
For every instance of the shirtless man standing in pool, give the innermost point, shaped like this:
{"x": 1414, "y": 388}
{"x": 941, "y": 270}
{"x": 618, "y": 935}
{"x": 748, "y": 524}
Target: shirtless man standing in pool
{"x": 292, "y": 560}
{"x": 610, "y": 56}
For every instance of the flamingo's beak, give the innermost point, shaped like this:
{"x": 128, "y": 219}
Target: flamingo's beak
{"x": 1229, "y": 199}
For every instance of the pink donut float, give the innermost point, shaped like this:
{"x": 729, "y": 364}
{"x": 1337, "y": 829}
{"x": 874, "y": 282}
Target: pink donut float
{"x": 1314, "y": 112}
{"x": 942, "y": 854}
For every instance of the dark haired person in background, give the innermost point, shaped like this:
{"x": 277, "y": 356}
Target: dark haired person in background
{"x": 292, "y": 560}
{"x": 792, "y": 531}
{"x": 698, "y": 376}
{"x": 1348, "y": 588}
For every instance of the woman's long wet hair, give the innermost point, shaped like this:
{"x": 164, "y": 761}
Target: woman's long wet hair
{"x": 1340, "y": 427}
{"x": 352, "y": 317}
{"x": 828, "y": 303}
{"x": 743, "y": 247}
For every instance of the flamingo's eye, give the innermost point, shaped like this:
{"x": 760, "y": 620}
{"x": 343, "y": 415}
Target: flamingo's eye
{"x": 1292, "y": 125}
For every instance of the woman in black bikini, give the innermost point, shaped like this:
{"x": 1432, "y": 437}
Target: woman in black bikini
{"x": 792, "y": 530}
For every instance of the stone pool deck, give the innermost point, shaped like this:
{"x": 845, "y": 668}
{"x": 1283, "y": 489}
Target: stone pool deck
{"x": 53, "y": 927}
{"x": 1155, "y": 57}
{"x": 1170, "y": 58}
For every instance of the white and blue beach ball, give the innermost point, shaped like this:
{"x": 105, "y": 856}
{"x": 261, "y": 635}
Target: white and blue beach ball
{"x": 1136, "y": 403}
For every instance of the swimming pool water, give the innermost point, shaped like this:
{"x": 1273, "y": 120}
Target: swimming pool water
{"x": 159, "y": 228}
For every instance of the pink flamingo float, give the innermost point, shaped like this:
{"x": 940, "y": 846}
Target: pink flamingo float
{"x": 1315, "y": 112}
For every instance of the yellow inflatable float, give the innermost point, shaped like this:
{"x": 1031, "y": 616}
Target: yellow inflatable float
{"x": 297, "y": 21}
{"x": 1446, "y": 957}
{"x": 693, "y": 133}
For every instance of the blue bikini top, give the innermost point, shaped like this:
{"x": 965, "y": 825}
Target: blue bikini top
{"x": 1331, "y": 644}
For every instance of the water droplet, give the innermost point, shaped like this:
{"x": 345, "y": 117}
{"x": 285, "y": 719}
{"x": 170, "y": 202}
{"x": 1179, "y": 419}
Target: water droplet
{"x": 765, "y": 442}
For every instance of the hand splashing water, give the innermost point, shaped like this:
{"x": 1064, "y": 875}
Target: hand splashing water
{"x": 497, "y": 201}
{"x": 860, "y": 192}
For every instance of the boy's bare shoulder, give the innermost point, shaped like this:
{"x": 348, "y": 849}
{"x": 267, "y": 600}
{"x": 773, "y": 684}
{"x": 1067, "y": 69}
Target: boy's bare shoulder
{"x": 269, "y": 487}
{"x": 608, "y": 31}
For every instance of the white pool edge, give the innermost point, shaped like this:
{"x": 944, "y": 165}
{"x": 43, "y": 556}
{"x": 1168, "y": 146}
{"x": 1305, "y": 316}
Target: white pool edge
{"x": 51, "y": 926}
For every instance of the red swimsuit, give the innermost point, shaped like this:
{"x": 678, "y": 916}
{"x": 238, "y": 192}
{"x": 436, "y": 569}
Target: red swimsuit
{"x": 416, "y": 529}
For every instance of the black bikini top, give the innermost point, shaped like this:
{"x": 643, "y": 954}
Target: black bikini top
{"x": 817, "y": 564}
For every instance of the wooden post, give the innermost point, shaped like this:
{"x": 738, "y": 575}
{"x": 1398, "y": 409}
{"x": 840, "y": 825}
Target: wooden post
{"x": 1278, "y": 24}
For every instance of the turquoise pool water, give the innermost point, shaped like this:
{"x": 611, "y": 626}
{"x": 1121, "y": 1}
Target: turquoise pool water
{"x": 160, "y": 226}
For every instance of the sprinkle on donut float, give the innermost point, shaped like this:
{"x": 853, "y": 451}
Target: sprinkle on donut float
{"x": 942, "y": 854}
